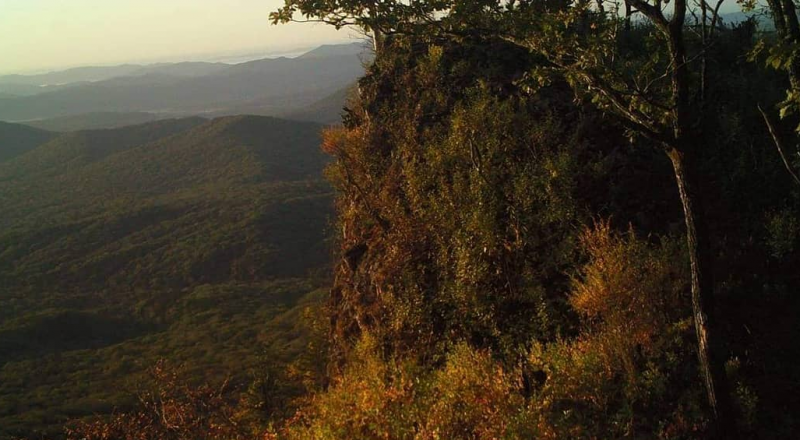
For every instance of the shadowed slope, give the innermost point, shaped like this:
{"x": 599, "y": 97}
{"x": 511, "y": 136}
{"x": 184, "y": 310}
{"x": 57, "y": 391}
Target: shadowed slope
{"x": 16, "y": 139}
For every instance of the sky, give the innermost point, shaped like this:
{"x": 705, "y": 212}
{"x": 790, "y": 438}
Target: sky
{"x": 42, "y": 35}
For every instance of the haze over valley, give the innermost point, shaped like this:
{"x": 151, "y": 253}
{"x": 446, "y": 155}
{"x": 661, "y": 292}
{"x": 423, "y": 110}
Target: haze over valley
{"x": 268, "y": 87}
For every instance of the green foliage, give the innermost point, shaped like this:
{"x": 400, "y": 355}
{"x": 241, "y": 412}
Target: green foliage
{"x": 470, "y": 397}
{"x": 470, "y": 299}
{"x": 196, "y": 242}
{"x": 171, "y": 410}
{"x": 391, "y": 17}
{"x": 631, "y": 369}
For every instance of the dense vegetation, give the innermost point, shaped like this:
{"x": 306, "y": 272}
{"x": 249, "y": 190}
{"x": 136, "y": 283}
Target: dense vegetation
{"x": 552, "y": 222}
{"x": 473, "y": 250}
{"x": 518, "y": 216}
{"x": 197, "y": 242}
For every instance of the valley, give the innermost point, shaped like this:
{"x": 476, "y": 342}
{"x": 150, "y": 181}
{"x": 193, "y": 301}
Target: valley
{"x": 190, "y": 240}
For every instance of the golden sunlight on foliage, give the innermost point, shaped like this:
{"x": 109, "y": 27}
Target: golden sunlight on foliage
{"x": 628, "y": 368}
{"x": 601, "y": 383}
{"x": 630, "y": 292}
{"x": 372, "y": 399}
{"x": 473, "y": 293}
{"x": 472, "y": 397}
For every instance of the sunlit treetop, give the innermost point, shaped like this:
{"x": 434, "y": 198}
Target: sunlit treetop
{"x": 388, "y": 16}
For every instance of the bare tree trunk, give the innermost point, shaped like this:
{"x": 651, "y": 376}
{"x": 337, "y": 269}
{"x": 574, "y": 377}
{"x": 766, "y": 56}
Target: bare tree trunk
{"x": 709, "y": 348}
{"x": 628, "y": 13}
{"x": 682, "y": 154}
{"x": 377, "y": 41}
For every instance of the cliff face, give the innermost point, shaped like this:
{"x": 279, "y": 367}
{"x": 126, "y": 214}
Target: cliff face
{"x": 474, "y": 296}
{"x": 459, "y": 195}
{"x": 509, "y": 260}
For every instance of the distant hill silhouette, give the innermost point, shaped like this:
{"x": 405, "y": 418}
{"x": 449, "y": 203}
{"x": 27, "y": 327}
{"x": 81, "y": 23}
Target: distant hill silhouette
{"x": 101, "y": 73}
{"x": 325, "y": 111}
{"x": 93, "y": 121}
{"x": 329, "y": 50}
{"x": 763, "y": 21}
{"x": 226, "y": 151}
{"x": 268, "y": 86}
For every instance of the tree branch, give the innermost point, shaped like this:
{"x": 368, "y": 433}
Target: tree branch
{"x": 778, "y": 144}
{"x": 652, "y": 12}
{"x": 636, "y": 121}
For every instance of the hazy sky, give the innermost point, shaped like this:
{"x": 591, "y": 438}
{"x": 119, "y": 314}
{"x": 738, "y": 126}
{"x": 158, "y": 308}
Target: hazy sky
{"x": 38, "y": 35}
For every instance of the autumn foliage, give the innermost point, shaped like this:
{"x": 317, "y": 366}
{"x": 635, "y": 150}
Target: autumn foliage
{"x": 508, "y": 266}
{"x": 173, "y": 409}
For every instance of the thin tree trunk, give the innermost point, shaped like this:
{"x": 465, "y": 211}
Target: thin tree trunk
{"x": 628, "y": 13}
{"x": 377, "y": 41}
{"x": 682, "y": 154}
{"x": 709, "y": 348}
{"x": 778, "y": 144}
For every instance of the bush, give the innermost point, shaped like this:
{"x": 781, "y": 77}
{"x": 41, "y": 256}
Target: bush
{"x": 626, "y": 374}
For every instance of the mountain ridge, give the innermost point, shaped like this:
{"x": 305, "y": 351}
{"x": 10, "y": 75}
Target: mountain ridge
{"x": 89, "y": 145}
{"x": 94, "y": 121}
{"x": 300, "y": 80}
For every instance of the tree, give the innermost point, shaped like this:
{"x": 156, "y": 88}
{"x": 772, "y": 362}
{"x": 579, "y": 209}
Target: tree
{"x": 653, "y": 96}
{"x": 784, "y": 56}
{"x": 382, "y": 18}
{"x": 375, "y": 17}
{"x": 784, "y": 53}
{"x": 651, "y": 92}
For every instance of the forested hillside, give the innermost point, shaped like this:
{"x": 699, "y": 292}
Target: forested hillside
{"x": 327, "y": 110}
{"x": 186, "y": 240}
{"x": 512, "y": 263}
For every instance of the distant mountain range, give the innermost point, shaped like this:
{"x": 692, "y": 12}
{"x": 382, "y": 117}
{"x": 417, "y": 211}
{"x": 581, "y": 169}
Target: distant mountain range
{"x": 276, "y": 86}
{"x": 764, "y": 21}
{"x": 100, "y": 73}
{"x": 144, "y": 217}
{"x": 93, "y": 121}
{"x": 327, "y": 110}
